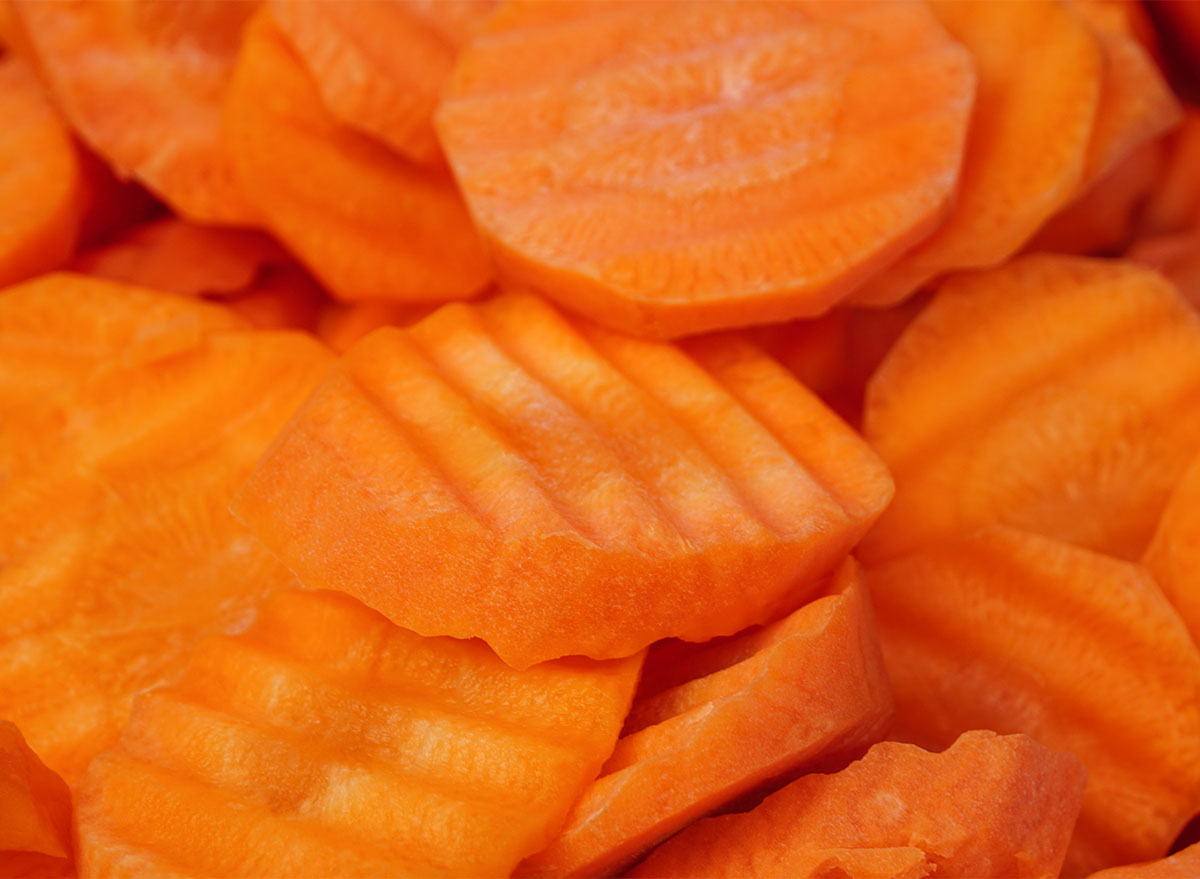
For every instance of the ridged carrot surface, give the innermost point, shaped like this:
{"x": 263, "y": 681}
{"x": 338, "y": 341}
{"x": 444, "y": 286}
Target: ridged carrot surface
{"x": 366, "y": 222}
{"x": 143, "y": 84}
{"x": 380, "y": 67}
{"x": 1174, "y": 554}
{"x": 713, "y": 722}
{"x": 327, "y": 742}
{"x": 1014, "y": 632}
{"x": 35, "y": 812}
{"x": 117, "y": 550}
{"x": 1040, "y": 73}
{"x": 1184, "y": 864}
{"x": 989, "y": 806}
{"x": 501, "y": 471}
{"x": 668, "y": 168}
{"x": 1055, "y": 394}
{"x": 43, "y": 191}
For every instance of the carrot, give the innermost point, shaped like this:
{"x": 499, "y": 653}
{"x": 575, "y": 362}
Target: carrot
{"x": 1040, "y": 77}
{"x": 367, "y": 223}
{"x": 114, "y": 206}
{"x": 1014, "y": 632}
{"x": 1174, "y": 553}
{"x": 35, "y": 812}
{"x": 711, "y": 723}
{"x": 1052, "y": 394}
{"x": 327, "y": 742}
{"x": 380, "y": 66}
{"x": 592, "y": 142}
{"x": 989, "y": 806}
{"x": 1174, "y": 204}
{"x": 283, "y": 298}
{"x": 143, "y": 84}
{"x": 340, "y": 325}
{"x": 42, "y": 186}
{"x": 1181, "y": 865}
{"x": 499, "y": 471}
{"x": 1177, "y": 256}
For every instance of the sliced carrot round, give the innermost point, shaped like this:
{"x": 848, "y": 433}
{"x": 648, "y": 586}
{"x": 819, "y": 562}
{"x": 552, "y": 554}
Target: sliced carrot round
{"x": 670, "y": 168}
{"x": 35, "y": 812}
{"x": 1174, "y": 554}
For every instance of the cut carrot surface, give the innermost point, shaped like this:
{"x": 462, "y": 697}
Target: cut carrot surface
{"x": 284, "y": 297}
{"x": 713, "y": 722}
{"x": 1174, "y": 554}
{"x": 366, "y": 222}
{"x": 499, "y": 471}
{"x": 43, "y": 192}
{"x": 1177, "y": 256}
{"x": 1018, "y": 633}
{"x": 1055, "y": 394}
{"x": 380, "y": 67}
{"x": 1181, "y": 865}
{"x": 1040, "y": 75}
{"x": 326, "y": 741}
{"x": 989, "y": 806}
{"x": 1174, "y": 204}
{"x": 591, "y": 142}
{"x": 340, "y": 325}
{"x": 143, "y": 83}
{"x": 35, "y": 812}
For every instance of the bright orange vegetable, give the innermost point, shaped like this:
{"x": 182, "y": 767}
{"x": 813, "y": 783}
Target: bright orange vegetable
{"x": 340, "y": 325}
{"x": 1174, "y": 205}
{"x": 1181, "y": 865}
{"x": 1177, "y": 256}
{"x": 35, "y": 812}
{"x": 283, "y": 298}
{"x": 1174, "y": 553}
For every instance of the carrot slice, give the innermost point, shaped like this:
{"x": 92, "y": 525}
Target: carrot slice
{"x": 1177, "y": 256}
{"x": 143, "y": 84}
{"x": 380, "y": 67}
{"x": 1053, "y": 394}
{"x": 555, "y": 488}
{"x": 592, "y": 143}
{"x": 117, "y": 546}
{"x": 1040, "y": 75}
{"x": 989, "y": 806}
{"x": 1014, "y": 632}
{"x": 340, "y": 325}
{"x": 1174, "y": 553}
{"x": 1181, "y": 865}
{"x": 284, "y": 298}
{"x": 712, "y": 723}
{"x": 1174, "y": 204}
{"x": 43, "y": 191}
{"x": 366, "y": 222}
{"x": 326, "y": 741}
{"x": 35, "y": 812}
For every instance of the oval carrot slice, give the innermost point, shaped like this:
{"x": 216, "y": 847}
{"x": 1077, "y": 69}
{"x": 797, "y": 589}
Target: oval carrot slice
{"x": 555, "y": 488}
{"x": 988, "y": 806}
{"x": 380, "y": 66}
{"x": 367, "y": 223}
{"x": 43, "y": 192}
{"x": 1014, "y": 632}
{"x": 143, "y": 84}
{"x": 713, "y": 722}
{"x": 325, "y": 741}
{"x": 1040, "y": 71}
{"x": 1053, "y": 394}
{"x": 35, "y": 812}
{"x": 1183, "y": 864}
{"x": 1174, "y": 553}
{"x": 592, "y": 143}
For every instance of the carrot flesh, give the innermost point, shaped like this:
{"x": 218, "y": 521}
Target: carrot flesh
{"x": 1177, "y": 256}
{"x": 340, "y": 325}
{"x": 1183, "y": 864}
{"x": 1174, "y": 554}
{"x": 1174, "y": 204}
{"x": 35, "y": 812}
{"x": 284, "y": 297}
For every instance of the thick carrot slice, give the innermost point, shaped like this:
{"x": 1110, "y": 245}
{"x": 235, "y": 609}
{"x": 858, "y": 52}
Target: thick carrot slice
{"x": 555, "y": 488}
{"x": 380, "y": 67}
{"x": 712, "y": 723}
{"x": 366, "y": 222}
{"x": 1054, "y": 394}
{"x": 1174, "y": 204}
{"x": 1040, "y": 73}
{"x": 1181, "y": 865}
{"x": 43, "y": 191}
{"x": 327, "y": 742}
{"x": 1174, "y": 554}
{"x": 35, "y": 812}
{"x": 114, "y": 206}
{"x": 592, "y": 143}
{"x": 283, "y": 298}
{"x": 117, "y": 551}
{"x": 1014, "y": 632}
{"x": 143, "y": 84}
{"x": 340, "y": 325}
{"x": 1177, "y": 256}
{"x": 989, "y": 806}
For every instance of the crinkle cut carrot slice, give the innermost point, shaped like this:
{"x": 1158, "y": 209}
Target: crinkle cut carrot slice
{"x": 118, "y": 549}
{"x": 592, "y": 142}
{"x": 723, "y": 718}
{"x": 1174, "y": 553}
{"x": 988, "y": 806}
{"x": 367, "y": 223}
{"x": 1183, "y": 864}
{"x": 326, "y": 741}
{"x": 1055, "y": 394}
{"x": 1014, "y": 632}
{"x": 143, "y": 84}
{"x": 380, "y": 67}
{"x": 35, "y": 812}
{"x": 43, "y": 191}
{"x": 499, "y": 471}
{"x": 1040, "y": 76}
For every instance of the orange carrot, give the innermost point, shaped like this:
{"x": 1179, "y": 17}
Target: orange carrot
{"x": 499, "y": 471}
{"x": 1174, "y": 553}
{"x": 283, "y": 298}
{"x": 592, "y": 143}
{"x": 35, "y": 812}
{"x": 1174, "y": 205}
{"x": 1181, "y": 865}
{"x": 340, "y": 325}
{"x": 1177, "y": 256}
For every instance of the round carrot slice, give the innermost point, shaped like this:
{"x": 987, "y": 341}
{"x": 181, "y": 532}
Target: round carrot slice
{"x": 672, "y": 168}
{"x": 143, "y": 83}
{"x": 35, "y": 812}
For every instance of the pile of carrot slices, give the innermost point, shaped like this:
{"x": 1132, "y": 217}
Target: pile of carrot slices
{"x": 650, "y": 438}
